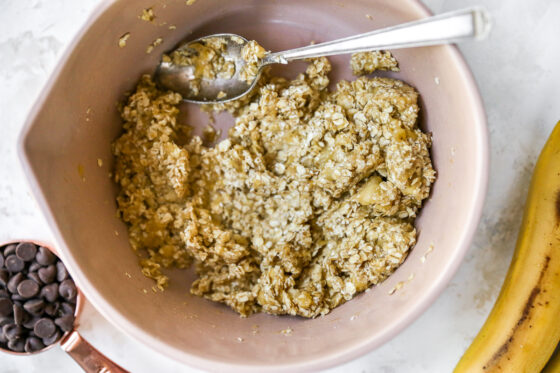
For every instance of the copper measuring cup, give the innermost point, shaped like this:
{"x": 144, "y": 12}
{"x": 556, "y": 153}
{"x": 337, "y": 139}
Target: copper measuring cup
{"x": 87, "y": 356}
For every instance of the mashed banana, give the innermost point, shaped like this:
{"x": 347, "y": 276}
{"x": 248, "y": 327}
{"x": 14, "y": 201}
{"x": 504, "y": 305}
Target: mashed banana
{"x": 309, "y": 201}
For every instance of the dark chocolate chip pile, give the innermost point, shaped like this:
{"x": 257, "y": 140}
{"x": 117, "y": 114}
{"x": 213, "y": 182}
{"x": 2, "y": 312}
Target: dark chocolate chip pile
{"x": 37, "y": 298}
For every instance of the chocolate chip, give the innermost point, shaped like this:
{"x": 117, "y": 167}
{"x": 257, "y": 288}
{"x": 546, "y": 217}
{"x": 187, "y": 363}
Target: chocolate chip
{"x": 67, "y": 289}
{"x": 34, "y": 306}
{"x": 61, "y": 272}
{"x": 50, "y": 292}
{"x": 18, "y": 314}
{"x": 17, "y": 298}
{"x": 47, "y": 274}
{"x": 30, "y": 322}
{"x": 14, "y": 264}
{"x": 4, "y": 293}
{"x": 68, "y": 308}
{"x": 51, "y": 309}
{"x": 4, "y": 277}
{"x": 34, "y": 267}
{"x": 28, "y": 288}
{"x": 10, "y": 249}
{"x": 66, "y": 322}
{"x": 26, "y": 251}
{"x": 44, "y": 328}
{"x": 14, "y": 282}
{"x": 12, "y": 331}
{"x": 53, "y": 338}
{"x": 33, "y": 344}
{"x": 45, "y": 257}
{"x": 5, "y": 320}
{"x": 35, "y": 277}
{"x": 6, "y": 306}
{"x": 17, "y": 345}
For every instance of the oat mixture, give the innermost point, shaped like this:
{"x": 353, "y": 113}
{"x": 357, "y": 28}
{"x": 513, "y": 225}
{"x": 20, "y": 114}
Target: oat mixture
{"x": 310, "y": 200}
{"x": 252, "y": 53}
{"x": 364, "y": 63}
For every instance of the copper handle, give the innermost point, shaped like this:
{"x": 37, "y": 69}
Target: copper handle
{"x": 87, "y": 356}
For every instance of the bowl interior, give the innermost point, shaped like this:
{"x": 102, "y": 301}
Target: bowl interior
{"x": 75, "y": 121}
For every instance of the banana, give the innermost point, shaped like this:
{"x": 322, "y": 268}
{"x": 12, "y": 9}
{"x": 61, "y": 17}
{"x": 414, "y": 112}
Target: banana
{"x": 553, "y": 365}
{"x": 523, "y": 328}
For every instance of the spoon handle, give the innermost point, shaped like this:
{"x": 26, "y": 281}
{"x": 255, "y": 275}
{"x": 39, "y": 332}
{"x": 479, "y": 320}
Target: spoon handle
{"x": 441, "y": 29}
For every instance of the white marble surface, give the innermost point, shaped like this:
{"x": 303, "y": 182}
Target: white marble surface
{"x": 518, "y": 73}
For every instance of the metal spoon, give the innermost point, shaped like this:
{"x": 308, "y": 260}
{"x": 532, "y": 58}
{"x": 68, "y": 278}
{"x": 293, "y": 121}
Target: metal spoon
{"x": 441, "y": 29}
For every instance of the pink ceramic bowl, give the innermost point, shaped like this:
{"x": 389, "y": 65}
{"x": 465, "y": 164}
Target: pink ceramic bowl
{"x": 75, "y": 120}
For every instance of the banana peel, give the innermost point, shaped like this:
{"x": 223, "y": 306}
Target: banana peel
{"x": 553, "y": 365}
{"x": 523, "y": 328}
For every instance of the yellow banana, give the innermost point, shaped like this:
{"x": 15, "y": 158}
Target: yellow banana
{"x": 553, "y": 365}
{"x": 523, "y": 328}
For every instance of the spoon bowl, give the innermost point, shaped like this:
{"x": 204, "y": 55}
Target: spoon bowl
{"x": 178, "y": 77}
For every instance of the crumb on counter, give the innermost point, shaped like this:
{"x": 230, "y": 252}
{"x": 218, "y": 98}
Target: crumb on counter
{"x": 81, "y": 172}
{"x": 88, "y": 114}
{"x": 400, "y": 284}
{"x": 154, "y": 44}
{"x": 287, "y": 332}
{"x": 428, "y": 251}
{"x": 123, "y": 39}
{"x": 147, "y": 15}
{"x": 99, "y": 162}
{"x": 190, "y": 2}
{"x": 255, "y": 329}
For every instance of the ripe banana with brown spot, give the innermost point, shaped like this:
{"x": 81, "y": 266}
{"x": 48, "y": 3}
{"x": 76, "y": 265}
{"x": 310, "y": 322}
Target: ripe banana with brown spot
{"x": 523, "y": 328}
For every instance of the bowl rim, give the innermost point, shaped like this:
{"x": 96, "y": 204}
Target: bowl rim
{"x": 344, "y": 354}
